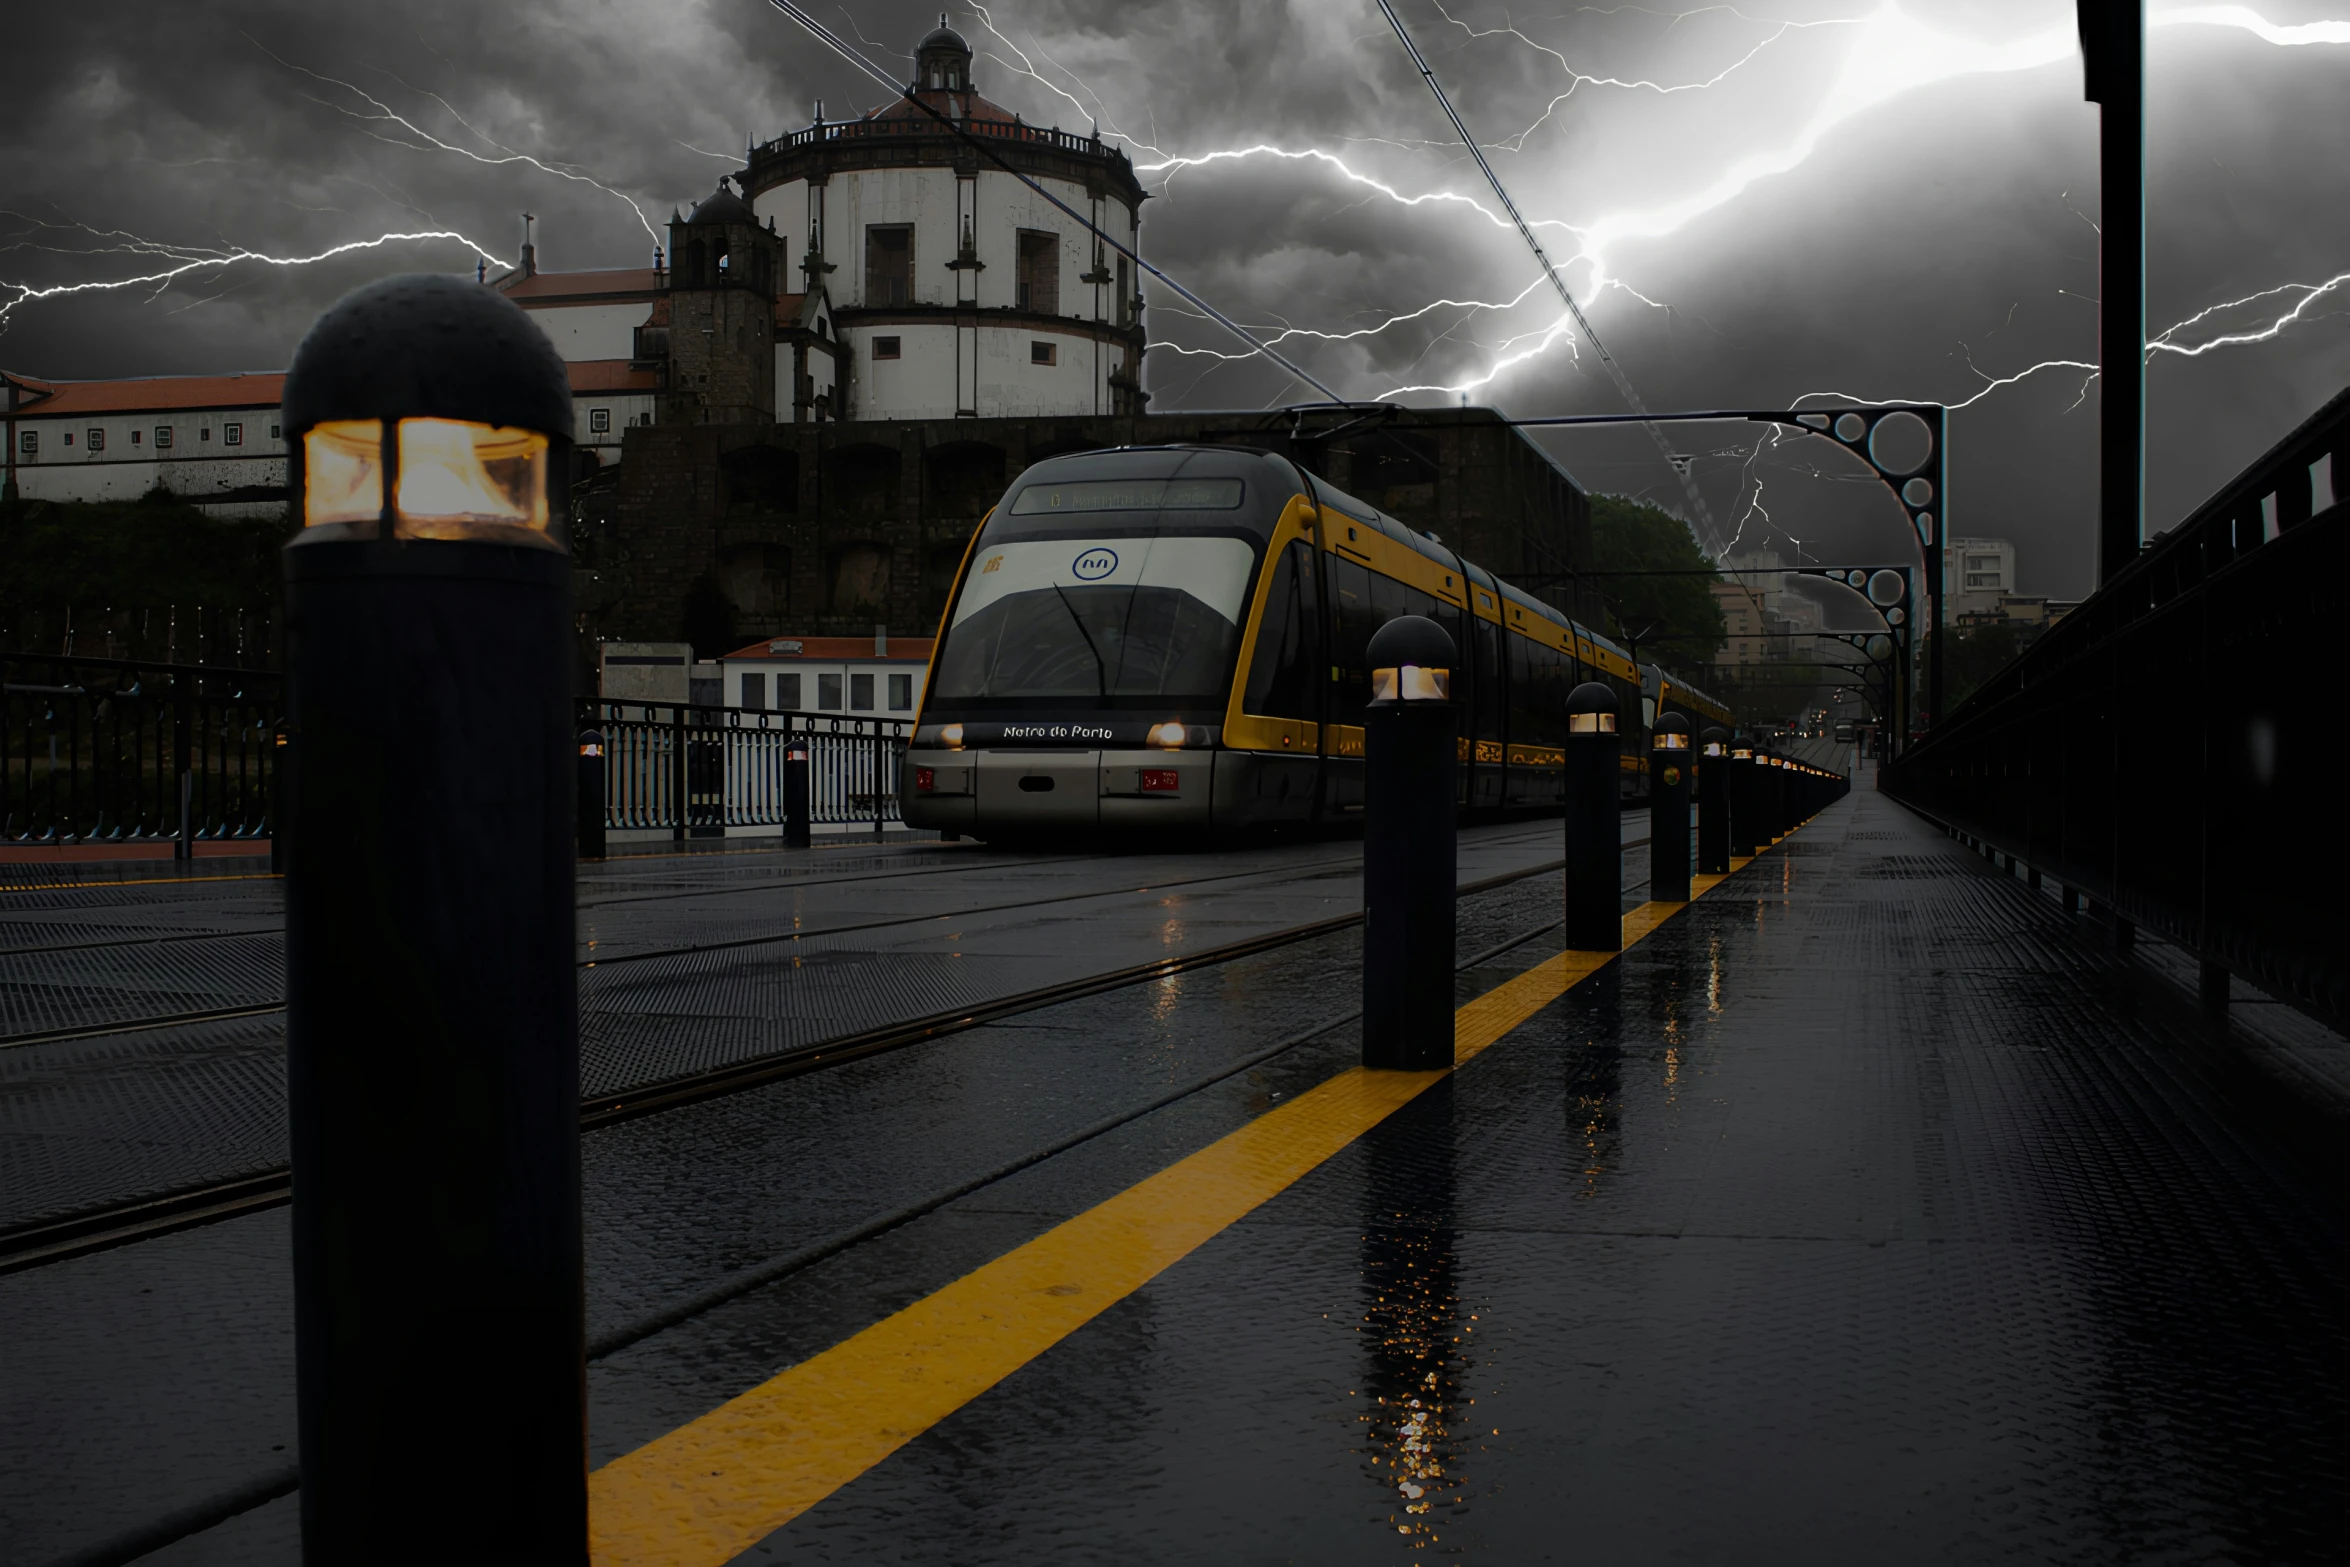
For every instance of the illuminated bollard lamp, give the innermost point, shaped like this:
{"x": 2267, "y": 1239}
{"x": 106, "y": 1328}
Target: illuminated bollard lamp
{"x": 1713, "y": 802}
{"x": 432, "y": 1038}
{"x": 1410, "y": 751}
{"x": 1745, "y": 802}
{"x": 1595, "y": 836}
{"x": 1669, "y": 785}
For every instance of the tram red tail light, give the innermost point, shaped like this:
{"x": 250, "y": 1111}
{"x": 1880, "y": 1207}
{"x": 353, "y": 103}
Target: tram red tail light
{"x": 925, "y": 780}
{"x": 1162, "y": 780}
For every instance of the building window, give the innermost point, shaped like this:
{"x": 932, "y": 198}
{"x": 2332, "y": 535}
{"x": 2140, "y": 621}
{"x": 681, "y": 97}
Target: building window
{"x": 755, "y": 692}
{"x": 861, "y": 693}
{"x": 204, "y": 434}
{"x": 787, "y": 693}
{"x": 273, "y": 432}
{"x": 232, "y": 435}
{"x": 97, "y": 440}
{"x": 599, "y": 421}
{"x": 163, "y": 437}
{"x": 828, "y": 693}
{"x": 134, "y": 437}
{"x": 889, "y": 265}
{"x": 29, "y": 443}
{"x": 1125, "y": 294}
{"x": 69, "y": 437}
{"x": 885, "y": 348}
{"x": 901, "y": 693}
{"x": 1038, "y": 286}
{"x": 1041, "y": 352}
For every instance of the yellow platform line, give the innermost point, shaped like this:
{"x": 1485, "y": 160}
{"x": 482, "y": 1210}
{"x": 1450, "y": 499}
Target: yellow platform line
{"x": 716, "y": 1486}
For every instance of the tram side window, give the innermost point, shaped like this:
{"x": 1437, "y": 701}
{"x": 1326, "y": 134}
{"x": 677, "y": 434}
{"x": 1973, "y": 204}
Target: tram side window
{"x": 1352, "y": 620}
{"x": 1490, "y": 687}
{"x": 1550, "y": 696}
{"x": 1281, "y": 675}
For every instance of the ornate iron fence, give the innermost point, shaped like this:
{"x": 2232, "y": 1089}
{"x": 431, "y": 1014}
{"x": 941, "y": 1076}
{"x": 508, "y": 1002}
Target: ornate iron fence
{"x": 697, "y": 771}
{"x": 107, "y": 750}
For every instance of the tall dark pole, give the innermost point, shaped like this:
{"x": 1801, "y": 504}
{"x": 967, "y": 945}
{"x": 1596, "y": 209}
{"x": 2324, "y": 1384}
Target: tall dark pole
{"x": 2113, "y": 52}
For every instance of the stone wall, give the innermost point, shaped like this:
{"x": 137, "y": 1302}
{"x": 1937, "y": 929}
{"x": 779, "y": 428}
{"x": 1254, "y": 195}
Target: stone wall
{"x": 726, "y": 533}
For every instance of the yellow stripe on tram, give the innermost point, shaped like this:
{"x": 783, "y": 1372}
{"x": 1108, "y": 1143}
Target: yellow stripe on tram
{"x": 716, "y": 1486}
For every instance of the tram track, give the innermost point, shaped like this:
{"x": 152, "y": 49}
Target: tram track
{"x": 258, "y": 1489}
{"x": 108, "y": 1226}
{"x": 155, "y": 1021}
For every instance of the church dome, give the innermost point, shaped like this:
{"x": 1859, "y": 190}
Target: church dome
{"x": 944, "y": 37}
{"x": 723, "y": 206}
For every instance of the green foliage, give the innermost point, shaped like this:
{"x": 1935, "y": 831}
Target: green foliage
{"x": 1977, "y": 653}
{"x": 1675, "y": 618}
{"x": 96, "y": 555}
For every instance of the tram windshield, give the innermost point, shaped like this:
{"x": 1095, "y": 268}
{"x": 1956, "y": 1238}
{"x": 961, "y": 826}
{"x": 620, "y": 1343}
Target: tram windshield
{"x": 1143, "y": 618}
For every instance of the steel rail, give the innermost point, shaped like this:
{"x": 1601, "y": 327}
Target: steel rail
{"x": 260, "y": 1489}
{"x": 101, "y": 1229}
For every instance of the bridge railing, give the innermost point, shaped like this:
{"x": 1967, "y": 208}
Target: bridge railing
{"x": 700, "y": 770}
{"x": 2163, "y": 749}
{"x": 110, "y": 750}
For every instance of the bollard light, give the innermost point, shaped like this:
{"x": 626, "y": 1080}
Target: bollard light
{"x": 1668, "y": 809}
{"x": 1594, "y": 831}
{"x": 1409, "y": 858}
{"x": 1713, "y": 803}
{"x": 432, "y": 1052}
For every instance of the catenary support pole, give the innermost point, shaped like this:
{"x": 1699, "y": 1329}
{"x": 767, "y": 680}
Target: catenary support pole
{"x": 432, "y": 1038}
{"x": 1409, "y": 854}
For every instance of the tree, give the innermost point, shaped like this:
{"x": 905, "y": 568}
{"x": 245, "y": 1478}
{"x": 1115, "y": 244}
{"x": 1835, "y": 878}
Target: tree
{"x": 1674, "y": 617}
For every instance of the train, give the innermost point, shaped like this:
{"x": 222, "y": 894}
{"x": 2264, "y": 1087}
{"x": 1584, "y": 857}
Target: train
{"x": 1156, "y": 639}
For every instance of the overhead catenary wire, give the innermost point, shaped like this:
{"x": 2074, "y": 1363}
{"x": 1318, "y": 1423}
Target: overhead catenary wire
{"x": 837, "y": 45}
{"x": 1680, "y": 465}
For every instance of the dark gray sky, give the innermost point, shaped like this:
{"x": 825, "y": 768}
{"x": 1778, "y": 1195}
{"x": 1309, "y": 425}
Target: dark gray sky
{"x": 1801, "y": 196}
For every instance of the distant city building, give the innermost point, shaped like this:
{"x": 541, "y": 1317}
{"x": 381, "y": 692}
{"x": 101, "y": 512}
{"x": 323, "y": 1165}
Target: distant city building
{"x": 880, "y": 676}
{"x": 1977, "y": 575}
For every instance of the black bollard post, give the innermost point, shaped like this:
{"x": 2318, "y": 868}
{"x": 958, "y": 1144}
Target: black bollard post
{"x": 1713, "y": 804}
{"x": 1595, "y": 835}
{"x": 1745, "y": 802}
{"x": 795, "y": 793}
{"x": 432, "y": 1041}
{"x": 591, "y": 794}
{"x": 1669, "y": 784}
{"x": 281, "y": 796}
{"x": 1408, "y": 847}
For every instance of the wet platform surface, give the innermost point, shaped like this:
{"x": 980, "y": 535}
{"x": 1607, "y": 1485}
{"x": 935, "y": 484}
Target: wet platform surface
{"x": 1867, "y": 1209}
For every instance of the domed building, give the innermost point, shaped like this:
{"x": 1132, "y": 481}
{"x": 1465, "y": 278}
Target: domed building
{"x": 960, "y": 292}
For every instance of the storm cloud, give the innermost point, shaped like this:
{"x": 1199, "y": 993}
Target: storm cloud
{"x": 1936, "y": 237}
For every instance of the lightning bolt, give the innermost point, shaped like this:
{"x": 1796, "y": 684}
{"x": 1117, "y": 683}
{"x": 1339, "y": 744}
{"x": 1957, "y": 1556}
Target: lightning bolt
{"x": 13, "y": 295}
{"x": 385, "y": 114}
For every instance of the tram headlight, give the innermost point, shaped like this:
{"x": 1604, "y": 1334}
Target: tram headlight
{"x": 1168, "y": 735}
{"x": 951, "y": 736}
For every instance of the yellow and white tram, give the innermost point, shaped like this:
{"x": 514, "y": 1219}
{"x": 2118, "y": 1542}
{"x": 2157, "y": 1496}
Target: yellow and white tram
{"x": 1171, "y": 637}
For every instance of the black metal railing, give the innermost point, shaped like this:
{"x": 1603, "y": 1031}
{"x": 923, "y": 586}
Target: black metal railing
{"x": 108, "y": 750}
{"x": 697, "y": 771}
{"x": 2162, "y": 748}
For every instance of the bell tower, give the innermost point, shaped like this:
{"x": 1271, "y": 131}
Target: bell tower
{"x": 725, "y": 274}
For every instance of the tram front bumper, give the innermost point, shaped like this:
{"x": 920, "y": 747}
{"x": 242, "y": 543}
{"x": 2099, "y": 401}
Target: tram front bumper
{"x": 984, "y": 790}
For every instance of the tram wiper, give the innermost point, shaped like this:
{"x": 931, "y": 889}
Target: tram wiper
{"x": 1101, "y": 671}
